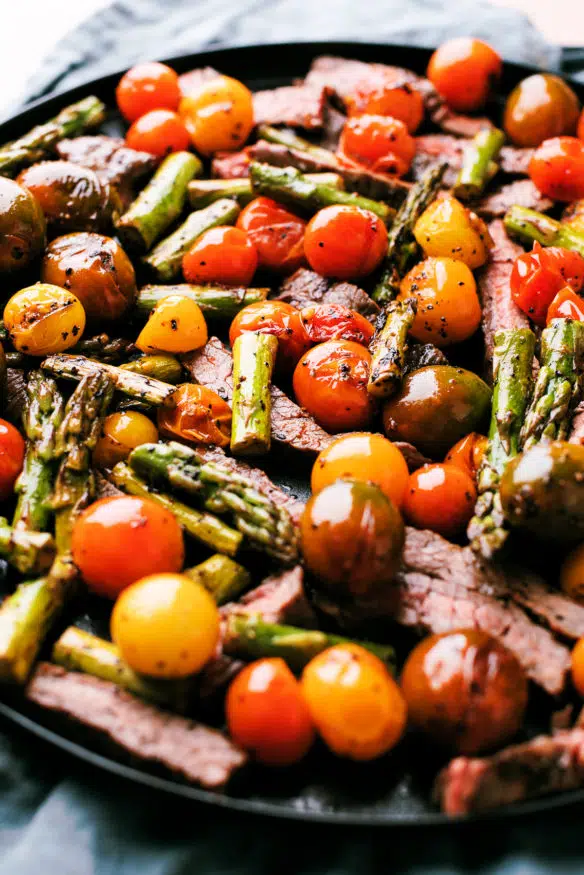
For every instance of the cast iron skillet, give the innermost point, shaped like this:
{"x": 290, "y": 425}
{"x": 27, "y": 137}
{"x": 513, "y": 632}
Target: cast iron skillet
{"x": 393, "y": 791}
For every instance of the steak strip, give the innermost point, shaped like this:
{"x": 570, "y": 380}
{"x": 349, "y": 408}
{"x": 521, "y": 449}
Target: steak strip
{"x": 434, "y": 148}
{"x": 196, "y": 752}
{"x": 521, "y": 193}
{"x": 306, "y": 287}
{"x": 299, "y": 106}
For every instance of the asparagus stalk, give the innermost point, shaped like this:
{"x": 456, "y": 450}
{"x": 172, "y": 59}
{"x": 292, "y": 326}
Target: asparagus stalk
{"x": 477, "y": 163}
{"x": 104, "y": 348}
{"x": 78, "y": 650}
{"x": 216, "y": 302}
{"x": 287, "y": 137}
{"x": 165, "y": 260}
{"x": 267, "y": 526}
{"x": 290, "y": 187}
{"x": 205, "y": 527}
{"x": 161, "y": 366}
{"x": 222, "y": 577}
{"x": 25, "y": 619}
{"x": 558, "y": 387}
{"x": 389, "y": 346}
{"x": 513, "y": 365}
{"x": 160, "y": 203}
{"x": 254, "y": 357}
{"x": 41, "y": 140}
{"x": 247, "y": 636}
{"x": 28, "y": 551}
{"x": 401, "y": 246}
{"x": 145, "y": 389}
{"x": 531, "y": 226}
{"x": 203, "y": 192}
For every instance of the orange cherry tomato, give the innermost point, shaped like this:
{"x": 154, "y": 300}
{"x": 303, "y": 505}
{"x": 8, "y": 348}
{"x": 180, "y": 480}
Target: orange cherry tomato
{"x": 330, "y": 381}
{"x": 580, "y": 131}
{"x": 121, "y": 539}
{"x": 539, "y": 275}
{"x": 362, "y": 456}
{"x": 381, "y": 143}
{"x": 221, "y": 255}
{"x": 357, "y": 706}
{"x": 440, "y": 498}
{"x": 12, "y": 448}
{"x": 277, "y": 234}
{"x": 464, "y": 71}
{"x": 197, "y": 414}
{"x": 277, "y": 318}
{"x": 566, "y": 305}
{"x": 336, "y": 322}
{"x": 387, "y": 97}
{"x": 540, "y": 107}
{"x": 345, "y": 242}
{"x": 578, "y": 666}
{"x": 267, "y": 715}
{"x": 159, "y": 132}
{"x": 557, "y": 168}
{"x": 218, "y": 115}
{"x": 468, "y": 453}
{"x": 145, "y": 87}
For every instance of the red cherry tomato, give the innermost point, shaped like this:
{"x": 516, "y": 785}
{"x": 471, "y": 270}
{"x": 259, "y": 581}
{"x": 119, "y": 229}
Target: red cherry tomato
{"x": 159, "y": 132}
{"x": 386, "y": 95}
{"x": 345, "y": 242}
{"x": 221, "y": 255}
{"x": 538, "y": 276}
{"x": 557, "y": 168}
{"x": 566, "y": 305}
{"x": 145, "y": 87}
{"x": 580, "y": 131}
{"x": 277, "y": 234}
{"x": 463, "y": 70}
{"x": 277, "y": 318}
{"x": 381, "y": 143}
{"x": 12, "y": 447}
{"x": 267, "y": 714}
{"x": 335, "y": 322}
{"x": 440, "y": 498}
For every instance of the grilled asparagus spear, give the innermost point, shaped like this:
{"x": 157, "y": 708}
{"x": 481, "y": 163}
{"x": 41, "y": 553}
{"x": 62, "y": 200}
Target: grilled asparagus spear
{"x": 161, "y": 366}
{"x": 203, "y": 192}
{"x": 388, "y": 347}
{"x": 531, "y": 226}
{"x": 216, "y": 302}
{"x": 222, "y": 577}
{"x": 254, "y": 357}
{"x": 478, "y": 163}
{"x": 28, "y": 551}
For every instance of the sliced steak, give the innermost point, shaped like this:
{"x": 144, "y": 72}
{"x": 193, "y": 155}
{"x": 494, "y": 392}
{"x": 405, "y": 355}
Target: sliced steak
{"x": 299, "y": 106}
{"x": 334, "y": 122}
{"x": 190, "y": 82}
{"x": 306, "y": 287}
{"x": 231, "y": 165}
{"x": 196, "y": 752}
{"x": 293, "y": 427}
{"x": 432, "y": 148}
{"x": 514, "y": 161}
{"x": 577, "y": 431}
{"x": 279, "y": 599}
{"x": 414, "y": 458}
{"x": 521, "y": 193}
{"x": 546, "y": 764}
{"x": 561, "y": 614}
{"x": 467, "y": 126}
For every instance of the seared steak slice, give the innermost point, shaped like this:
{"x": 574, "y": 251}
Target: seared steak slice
{"x": 190, "y": 82}
{"x": 514, "y": 160}
{"x": 432, "y": 148}
{"x": 231, "y": 165}
{"x": 196, "y": 752}
{"x": 282, "y": 156}
{"x": 299, "y": 106}
{"x": 461, "y": 125}
{"x": 563, "y": 616}
{"x": 414, "y": 458}
{"x": 212, "y": 366}
{"x": 306, "y": 287}
{"x": 546, "y": 764}
{"x": 521, "y": 193}
{"x": 334, "y": 122}
{"x": 110, "y": 158}
{"x": 279, "y": 599}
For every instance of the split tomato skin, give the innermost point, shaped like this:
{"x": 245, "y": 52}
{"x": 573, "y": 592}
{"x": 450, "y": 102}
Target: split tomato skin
{"x": 279, "y": 319}
{"x": 276, "y": 233}
{"x": 468, "y": 453}
{"x": 222, "y": 255}
{"x": 378, "y": 142}
{"x": 464, "y": 70}
{"x": 557, "y": 168}
{"x": 566, "y": 305}
{"x": 539, "y": 275}
{"x": 345, "y": 242}
{"x": 12, "y": 449}
{"x": 198, "y": 415}
{"x": 146, "y": 87}
{"x": 324, "y": 322}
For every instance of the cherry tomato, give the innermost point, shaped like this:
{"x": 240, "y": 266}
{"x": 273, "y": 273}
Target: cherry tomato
{"x": 580, "y": 129}
{"x": 122, "y": 433}
{"x": 166, "y": 626}
{"x": 44, "y": 319}
{"x": 118, "y": 540}
{"x": 539, "y": 275}
{"x": 357, "y": 706}
{"x": 540, "y": 107}
{"x": 159, "y": 132}
{"x": 440, "y": 498}
{"x": 330, "y": 381}
{"x": 578, "y": 666}
{"x": 345, "y": 242}
{"x": 277, "y": 318}
{"x": 221, "y": 255}
{"x": 572, "y": 574}
{"x": 12, "y": 448}
{"x": 218, "y": 116}
{"x": 277, "y": 234}
{"x": 176, "y": 324}
{"x": 384, "y": 96}
{"x": 267, "y": 715}
{"x": 464, "y": 71}
{"x": 468, "y": 453}
{"x": 335, "y": 322}
{"x": 145, "y": 87}
{"x": 362, "y": 456}
{"x": 557, "y": 168}
{"x": 448, "y": 305}
{"x": 566, "y": 305}
{"x": 197, "y": 414}
{"x": 448, "y": 229}
{"x": 378, "y": 142}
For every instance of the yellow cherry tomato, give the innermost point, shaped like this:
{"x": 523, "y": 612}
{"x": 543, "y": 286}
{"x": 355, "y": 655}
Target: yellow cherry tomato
{"x": 219, "y": 116}
{"x": 165, "y": 625}
{"x": 572, "y": 574}
{"x": 448, "y": 304}
{"x": 44, "y": 319}
{"x": 362, "y": 456}
{"x": 355, "y": 704}
{"x": 446, "y": 228}
{"x": 176, "y": 324}
{"x": 121, "y": 433}
{"x": 578, "y": 666}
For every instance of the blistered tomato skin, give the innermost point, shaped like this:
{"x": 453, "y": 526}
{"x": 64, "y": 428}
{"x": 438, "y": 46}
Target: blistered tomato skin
{"x": 566, "y": 305}
{"x": 221, "y": 255}
{"x": 197, "y": 414}
{"x": 388, "y": 98}
{"x": 218, "y": 116}
{"x": 557, "y": 168}
{"x": 324, "y": 322}
{"x": 44, "y": 319}
{"x": 146, "y": 87}
{"x": 540, "y": 107}
{"x": 345, "y": 242}
{"x": 159, "y": 132}
{"x": 440, "y": 498}
{"x": 175, "y": 325}
{"x": 464, "y": 71}
{"x": 448, "y": 229}
{"x": 378, "y": 142}
{"x": 539, "y": 275}
{"x": 277, "y": 318}
{"x": 12, "y": 448}
{"x": 276, "y": 233}
{"x": 122, "y": 433}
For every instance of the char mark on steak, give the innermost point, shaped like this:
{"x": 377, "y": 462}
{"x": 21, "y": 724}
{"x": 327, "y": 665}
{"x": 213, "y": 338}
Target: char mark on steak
{"x": 305, "y": 287}
{"x": 196, "y": 752}
{"x": 521, "y": 193}
{"x": 299, "y": 106}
